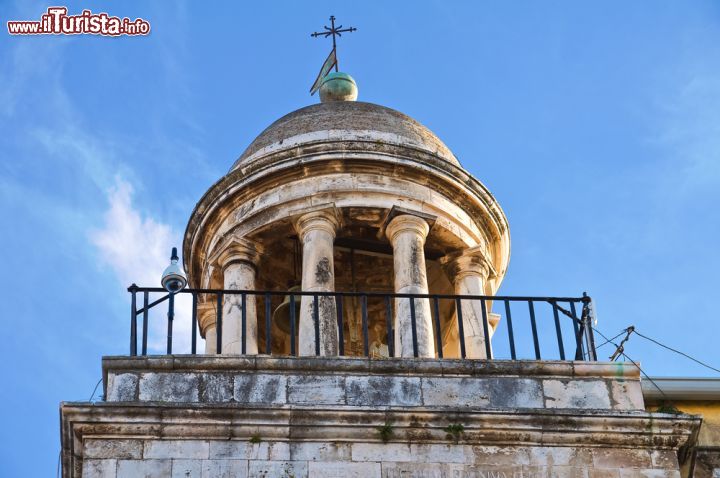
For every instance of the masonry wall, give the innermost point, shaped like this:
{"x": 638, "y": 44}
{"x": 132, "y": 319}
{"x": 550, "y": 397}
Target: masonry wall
{"x": 190, "y": 458}
{"x": 305, "y": 417}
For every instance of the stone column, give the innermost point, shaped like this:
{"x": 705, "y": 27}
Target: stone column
{"x": 317, "y": 234}
{"x": 206, "y": 314}
{"x": 407, "y": 235}
{"x": 238, "y": 261}
{"x": 469, "y": 271}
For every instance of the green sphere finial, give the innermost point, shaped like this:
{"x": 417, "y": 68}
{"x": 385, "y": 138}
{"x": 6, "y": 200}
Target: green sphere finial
{"x": 338, "y": 86}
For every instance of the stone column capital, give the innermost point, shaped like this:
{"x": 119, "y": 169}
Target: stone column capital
{"x": 469, "y": 262}
{"x": 206, "y": 315}
{"x": 405, "y": 223}
{"x": 326, "y": 219}
{"x": 237, "y": 249}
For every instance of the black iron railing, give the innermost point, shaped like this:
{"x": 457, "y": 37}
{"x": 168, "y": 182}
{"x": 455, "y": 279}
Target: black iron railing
{"x": 560, "y": 312}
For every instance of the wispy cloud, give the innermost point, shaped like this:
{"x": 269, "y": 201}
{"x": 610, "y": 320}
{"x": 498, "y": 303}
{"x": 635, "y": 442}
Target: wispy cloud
{"x": 136, "y": 248}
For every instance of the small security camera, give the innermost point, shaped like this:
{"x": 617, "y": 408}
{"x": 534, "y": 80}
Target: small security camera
{"x": 173, "y": 279}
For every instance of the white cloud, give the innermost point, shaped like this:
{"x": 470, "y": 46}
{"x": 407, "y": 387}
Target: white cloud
{"x": 137, "y": 249}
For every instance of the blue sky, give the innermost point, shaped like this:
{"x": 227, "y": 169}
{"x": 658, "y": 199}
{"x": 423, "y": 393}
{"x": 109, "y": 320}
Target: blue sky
{"x": 595, "y": 125}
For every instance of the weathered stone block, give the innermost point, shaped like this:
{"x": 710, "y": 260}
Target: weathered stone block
{"x": 560, "y": 456}
{"x": 582, "y": 394}
{"x": 122, "y": 387}
{"x": 455, "y": 391}
{"x": 389, "y": 452}
{"x": 664, "y": 459}
{"x": 250, "y": 451}
{"x": 442, "y": 453}
{"x": 448, "y": 470}
{"x": 169, "y": 387}
{"x": 511, "y": 392}
{"x": 316, "y": 389}
{"x": 225, "y": 469}
{"x": 627, "y": 395}
{"x": 313, "y": 451}
{"x": 649, "y": 473}
{"x": 383, "y": 391}
{"x": 99, "y": 468}
{"x": 505, "y": 392}
{"x": 144, "y": 468}
{"x": 119, "y": 449}
{"x": 187, "y": 469}
{"x": 603, "y": 473}
{"x": 176, "y": 449}
{"x": 319, "y": 469}
{"x": 268, "y": 389}
{"x": 621, "y": 458}
{"x": 271, "y": 469}
{"x": 501, "y": 455}
{"x": 216, "y": 388}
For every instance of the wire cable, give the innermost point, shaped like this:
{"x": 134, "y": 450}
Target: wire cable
{"x": 95, "y": 389}
{"x": 678, "y": 352}
{"x": 647, "y": 377}
{"x": 634, "y": 363}
{"x": 609, "y": 340}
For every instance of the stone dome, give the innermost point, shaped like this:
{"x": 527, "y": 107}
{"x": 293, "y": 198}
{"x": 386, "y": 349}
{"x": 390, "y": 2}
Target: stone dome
{"x": 342, "y": 121}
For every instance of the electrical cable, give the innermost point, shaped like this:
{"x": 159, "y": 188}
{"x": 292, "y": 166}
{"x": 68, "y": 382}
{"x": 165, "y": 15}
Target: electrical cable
{"x": 95, "y": 389}
{"x": 608, "y": 341}
{"x": 634, "y": 363}
{"x": 678, "y": 352}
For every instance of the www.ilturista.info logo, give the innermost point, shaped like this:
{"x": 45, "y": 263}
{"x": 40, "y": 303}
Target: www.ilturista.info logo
{"x": 57, "y": 22}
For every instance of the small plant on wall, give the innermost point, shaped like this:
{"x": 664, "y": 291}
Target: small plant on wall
{"x": 386, "y": 432}
{"x": 454, "y": 431}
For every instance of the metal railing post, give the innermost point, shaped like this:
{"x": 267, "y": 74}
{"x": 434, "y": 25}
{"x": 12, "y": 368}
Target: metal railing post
{"x": 364, "y": 319}
{"x": 588, "y": 322}
{"x": 389, "y": 325}
{"x": 133, "y": 319}
{"x": 511, "y": 335}
{"x": 486, "y": 329}
{"x": 268, "y": 325}
{"x": 292, "y": 324}
{"x": 171, "y": 317}
{"x": 218, "y": 324}
{"x": 533, "y": 324}
{"x": 558, "y": 331}
{"x": 243, "y": 324}
{"x": 341, "y": 332}
{"x": 146, "y": 299}
{"x": 193, "y": 345}
{"x": 413, "y": 325}
{"x": 461, "y": 327}
{"x": 438, "y": 333}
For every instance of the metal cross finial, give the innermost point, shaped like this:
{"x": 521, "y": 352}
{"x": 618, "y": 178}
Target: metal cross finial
{"x": 333, "y": 30}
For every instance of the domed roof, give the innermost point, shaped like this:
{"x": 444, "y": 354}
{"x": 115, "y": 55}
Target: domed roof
{"x": 344, "y": 121}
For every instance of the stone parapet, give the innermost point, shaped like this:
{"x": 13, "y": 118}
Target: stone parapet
{"x": 348, "y": 382}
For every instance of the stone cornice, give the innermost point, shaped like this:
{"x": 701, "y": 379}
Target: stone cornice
{"x": 400, "y": 366}
{"x": 488, "y": 427}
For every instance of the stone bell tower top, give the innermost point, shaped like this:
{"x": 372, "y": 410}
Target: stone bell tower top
{"x": 364, "y": 161}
